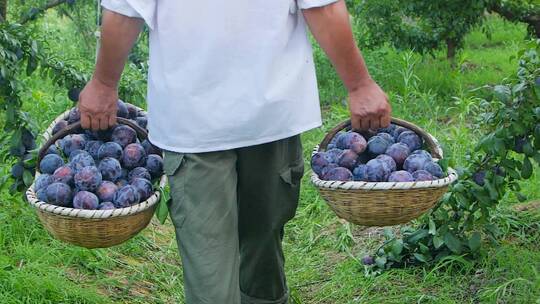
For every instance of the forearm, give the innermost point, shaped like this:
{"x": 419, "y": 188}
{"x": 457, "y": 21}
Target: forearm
{"x": 118, "y": 34}
{"x": 331, "y": 28}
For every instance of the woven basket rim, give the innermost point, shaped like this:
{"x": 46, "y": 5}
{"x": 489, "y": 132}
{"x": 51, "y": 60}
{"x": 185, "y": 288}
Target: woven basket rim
{"x": 83, "y": 213}
{"x": 385, "y": 186}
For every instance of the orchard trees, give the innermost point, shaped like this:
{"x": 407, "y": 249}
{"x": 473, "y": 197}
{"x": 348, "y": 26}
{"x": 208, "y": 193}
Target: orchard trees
{"x": 503, "y": 157}
{"x": 427, "y": 26}
{"x": 423, "y": 26}
{"x": 24, "y": 52}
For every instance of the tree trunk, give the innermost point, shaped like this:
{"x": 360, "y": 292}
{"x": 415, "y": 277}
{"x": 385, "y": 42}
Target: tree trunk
{"x": 537, "y": 28}
{"x": 451, "y": 49}
{"x": 3, "y": 10}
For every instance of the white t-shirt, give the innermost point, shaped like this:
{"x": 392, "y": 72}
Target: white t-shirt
{"x": 226, "y": 74}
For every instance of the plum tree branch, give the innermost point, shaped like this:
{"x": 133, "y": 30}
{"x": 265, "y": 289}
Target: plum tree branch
{"x": 531, "y": 18}
{"x": 48, "y": 5}
{"x": 3, "y": 10}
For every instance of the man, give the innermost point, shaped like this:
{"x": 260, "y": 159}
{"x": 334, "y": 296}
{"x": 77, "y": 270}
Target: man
{"x": 230, "y": 88}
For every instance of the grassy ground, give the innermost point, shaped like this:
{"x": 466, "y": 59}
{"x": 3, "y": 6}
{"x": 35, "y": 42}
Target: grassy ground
{"x": 322, "y": 252}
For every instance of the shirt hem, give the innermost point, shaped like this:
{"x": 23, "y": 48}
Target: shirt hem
{"x": 236, "y": 145}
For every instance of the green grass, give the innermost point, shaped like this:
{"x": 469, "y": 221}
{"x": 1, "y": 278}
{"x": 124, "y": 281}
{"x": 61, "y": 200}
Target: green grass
{"x": 322, "y": 252}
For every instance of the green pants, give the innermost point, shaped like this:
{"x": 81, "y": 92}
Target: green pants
{"x": 229, "y": 209}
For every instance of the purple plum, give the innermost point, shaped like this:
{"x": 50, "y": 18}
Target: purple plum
{"x": 110, "y": 169}
{"x": 401, "y": 176}
{"x": 339, "y": 174}
{"x": 134, "y": 156}
{"x": 149, "y": 148}
{"x": 328, "y": 168}
{"x": 348, "y": 159}
{"x": 399, "y": 152}
{"x": 88, "y": 179}
{"x": 142, "y": 122}
{"x": 106, "y": 191}
{"x": 121, "y": 109}
{"x": 50, "y": 163}
{"x": 85, "y": 200}
{"x": 377, "y": 145}
{"x": 41, "y": 195}
{"x": 352, "y": 141}
{"x": 377, "y": 170}
{"x": 411, "y": 139}
{"x": 424, "y": 153}
{"x": 479, "y": 177}
{"x": 92, "y": 147}
{"x": 319, "y": 160}
{"x": 434, "y": 169}
{"x": 42, "y": 181}
{"x": 389, "y": 138}
{"x": 132, "y": 110}
{"x": 81, "y": 161}
{"x": 106, "y": 206}
{"x": 110, "y": 149}
{"x": 124, "y": 135}
{"x": 59, "y": 194}
{"x": 397, "y": 131}
{"x": 422, "y": 175}
{"x": 144, "y": 187}
{"x": 126, "y": 196}
{"x": 154, "y": 165}
{"x": 390, "y": 130}
{"x": 59, "y": 126}
{"x": 72, "y": 142}
{"x": 415, "y": 162}
{"x": 333, "y": 155}
{"x": 74, "y": 115}
{"x": 52, "y": 149}
{"x": 368, "y": 260}
{"x": 64, "y": 175}
{"x": 360, "y": 173}
{"x": 389, "y": 161}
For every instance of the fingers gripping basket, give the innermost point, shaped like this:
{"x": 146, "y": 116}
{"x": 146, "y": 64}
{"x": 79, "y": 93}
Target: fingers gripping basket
{"x": 92, "y": 228}
{"x": 384, "y": 203}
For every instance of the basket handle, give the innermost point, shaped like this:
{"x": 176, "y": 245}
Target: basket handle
{"x": 433, "y": 147}
{"x": 76, "y": 127}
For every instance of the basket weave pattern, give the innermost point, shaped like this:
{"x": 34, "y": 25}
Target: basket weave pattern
{"x": 93, "y": 228}
{"x": 383, "y": 203}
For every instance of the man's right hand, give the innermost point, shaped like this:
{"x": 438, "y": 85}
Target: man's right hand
{"x": 98, "y": 105}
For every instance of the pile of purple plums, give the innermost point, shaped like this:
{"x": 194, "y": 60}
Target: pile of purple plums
{"x": 393, "y": 154}
{"x": 99, "y": 170}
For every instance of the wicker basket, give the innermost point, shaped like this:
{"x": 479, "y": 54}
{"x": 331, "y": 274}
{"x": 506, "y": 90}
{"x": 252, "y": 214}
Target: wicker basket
{"x": 385, "y": 203}
{"x": 92, "y": 228}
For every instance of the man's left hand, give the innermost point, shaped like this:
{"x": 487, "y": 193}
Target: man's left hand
{"x": 369, "y": 107}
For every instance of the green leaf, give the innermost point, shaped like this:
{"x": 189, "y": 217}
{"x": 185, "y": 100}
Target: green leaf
{"x": 432, "y": 227}
{"x": 452, "y": 242}
{"x": 475, "y": 241}
{"x": 528, "y": 149}
{"x": 499, "y": 147}
{"x": 27, "y": 178}
{"x": 380, "y": 261}
{"x": 493, "y": 194}
{"x": 397, "y": 247}
{"x": 31, "y": 65}
{"x": 417, "y": 236}
{"x": 437, "y": 242}
{"x": 503, "y": 93}
{"x": 388, "y": 233}
{"x": 423, "y": 248}
{"x": 162, "y": 211}
{"x": 526, "y": 170}
{"x": 420, "y": 257}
